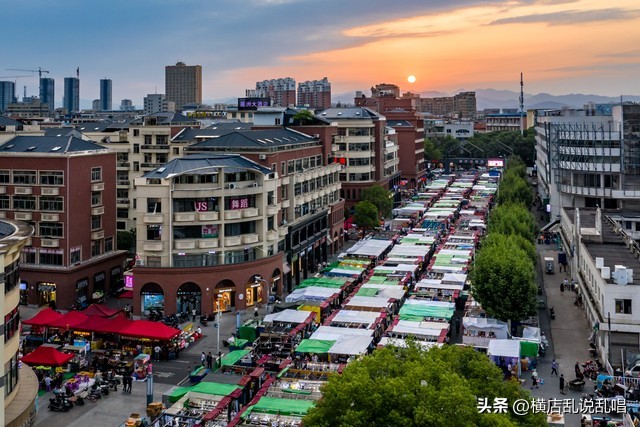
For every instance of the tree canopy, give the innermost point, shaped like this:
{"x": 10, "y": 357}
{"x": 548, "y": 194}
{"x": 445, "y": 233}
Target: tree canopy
{"x": 366, "y": 216}
{"x": 382, "y": 199}
{"x": 513, "y": 219}
{"x": 415, "y": 387}
{"x": 504, "y": 281}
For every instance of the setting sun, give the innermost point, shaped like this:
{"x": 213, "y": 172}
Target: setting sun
{"x": 411, "y": 79}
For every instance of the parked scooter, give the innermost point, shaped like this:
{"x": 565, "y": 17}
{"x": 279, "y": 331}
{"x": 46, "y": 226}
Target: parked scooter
{"x": 59, "y": 404}
{"x": 552, "y": 313}
{"x": 203, "y": 320}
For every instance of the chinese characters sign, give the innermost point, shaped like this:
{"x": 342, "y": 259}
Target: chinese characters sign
{"x": 253, "y": 103}
{"x": 239, "y": 203}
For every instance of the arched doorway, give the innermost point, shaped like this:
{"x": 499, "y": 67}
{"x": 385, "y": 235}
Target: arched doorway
{"x": 224, "y": 298}
{"x": 256, "y": 290}
{"x": 189, "y": 296}
{"x": 276, "y": 283}
{"x": 151, "y": 297}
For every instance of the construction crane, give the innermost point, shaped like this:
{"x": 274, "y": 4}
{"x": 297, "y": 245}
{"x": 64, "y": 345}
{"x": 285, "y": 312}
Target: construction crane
{"x": 13, "y": 77}
{"x": 39, "y": 71}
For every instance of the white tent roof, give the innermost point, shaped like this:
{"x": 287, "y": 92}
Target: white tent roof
{"x": 505, "y": 348}
{"x": 530, "y": 333}
{"x": 352, "y": 345}
{"x": 425, "y": 324}
{"x": 310, "y": 293}
{"x": 407, "y": 268}
{"x": 414, "y": 328}
{"x": 354, "y": 316}
{"x": 288, "y": 316}
{"x": 437, "y": 284}
{"x": 335, "y": 333}
{"x": 370, "y": 247}
{"x": 345, "y": 272}
{"x": 431, "y": 303}
{"x": 486, "y": 324}
{"x": 386, "y": 291}
{"x": 454, "y": 278}
{"x": 360, "y": 301}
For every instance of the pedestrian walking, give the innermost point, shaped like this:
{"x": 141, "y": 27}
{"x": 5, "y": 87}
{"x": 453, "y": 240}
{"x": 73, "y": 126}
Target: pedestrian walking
{"x": 193, "y": 315}
{"x": 534, "y": 379}
{"x": 554, "y": 367}
{"x": 255, "y": 312}
{"x": 157, "y": 351}
{"x": 563, "y": 384}
{"x": 562, "y": 287}
{"x": 209, "y": 361}
{"x": 577, "y": 370}
{"x": 203, "y": 358}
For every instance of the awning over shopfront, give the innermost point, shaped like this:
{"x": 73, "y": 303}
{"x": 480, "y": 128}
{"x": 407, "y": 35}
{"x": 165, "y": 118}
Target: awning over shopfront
{"x": 47, "y": 356}
{"x": 43, "y": 318}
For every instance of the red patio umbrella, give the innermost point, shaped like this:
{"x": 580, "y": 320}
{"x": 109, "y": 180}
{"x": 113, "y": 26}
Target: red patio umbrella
{"x": 47, "y": 356}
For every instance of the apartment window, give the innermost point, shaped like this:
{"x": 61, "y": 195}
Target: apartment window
{"x": 284, "y": 192}
{"x": 154, "y": 232}
{"x": 623, "y": 306}
{"x": 136, "y": 148}
{"x": 122, "y": 194}
{"x": 239, "y": 228}
{"x": 176, "y": 151}
{"x": 28, "y": 256}
{"x": 4, "y": 202}
{"x": 96, "y": 198}
{"x": 51, "y": 229}
{"x": 75, "y": 255}
{"x": 122, "y": 213}
{"x": 96, "y": 222}
{"x": 136, "y": 166}
{"x": 11, "y": 276}
{"x": 123, "y": 157}
{"x": 96, "y": 248}
{"x": 108, "y": 244}
{"x": 154, "y": 205}
{"x": 51, "y": 203}
{"x": 148, "y": 158}
{"x": 5, "y": 177}
{"x": 11, "y": 324}
{"x": 283, "y": 169}
{"x": 11, "y": 375}
{"x": 24, "y": 177}
{"x": 24, "y": 203}
{"x": 147, "y": 139}
{"x": 291, "y": 166}
{"x": 51, "y": 256}
{"x": 154, "y": 261}
{"x": 51, "y": 178}
{"x": 96, "y": 174}
{"x": 136, "y": 132}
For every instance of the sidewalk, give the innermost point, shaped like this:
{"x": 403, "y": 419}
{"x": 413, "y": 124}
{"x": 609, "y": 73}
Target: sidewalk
{"x": 567, "y": 334}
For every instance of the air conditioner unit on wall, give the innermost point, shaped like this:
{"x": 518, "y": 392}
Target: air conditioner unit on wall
{"x": 262, "y": 157}
{"x": 232, "y": 186}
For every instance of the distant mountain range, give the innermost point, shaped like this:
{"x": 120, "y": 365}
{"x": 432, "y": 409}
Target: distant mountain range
{"x": 494, "y": 98}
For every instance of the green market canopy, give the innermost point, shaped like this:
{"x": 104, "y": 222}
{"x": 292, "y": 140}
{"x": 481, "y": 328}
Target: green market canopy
{"x": 429, "y": 309}
{"x": 233, "y": 357}
{"x": 273, "y": 405}
{"x": 315, "y": 346}
{"x": 217, "y": 389}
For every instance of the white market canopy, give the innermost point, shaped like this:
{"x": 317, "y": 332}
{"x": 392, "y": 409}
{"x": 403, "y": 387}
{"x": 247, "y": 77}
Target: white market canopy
{"x": 437, "y": 284}
{"x": 386, "y": 291}
{"x": 371, "y": 302}
{"x": 499, "y": 328}
{"x": 335, "y": 332}
{"x": 311, "y": 293}
{"x": 409, "y": 250}
{"x": 288, "y": 316}
{"x": 454, "y": 278}
{"x": 504, "y": 348}
{"x": 354, "y": 316}
{"x": 370, "y": 248}
{"x": 419, "y": 329}
{"x": 430, "y": 303}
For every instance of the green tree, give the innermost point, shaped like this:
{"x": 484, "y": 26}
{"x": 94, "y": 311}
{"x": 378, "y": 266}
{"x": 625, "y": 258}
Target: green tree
{"x": 431, "y": 152}
{"x": 303, "y": 116}
{"x": 414, "y": 387}
{"x": 366, "y": 216}
{"x": 126, "y": 240}
{"x": 382, "y": 199}
{"x": 513, "y": 219}
{"x": 511, "y": 240}
{"x": 504, "y": 282}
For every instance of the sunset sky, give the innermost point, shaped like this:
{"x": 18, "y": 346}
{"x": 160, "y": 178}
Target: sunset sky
{"x": 561, "y": 46}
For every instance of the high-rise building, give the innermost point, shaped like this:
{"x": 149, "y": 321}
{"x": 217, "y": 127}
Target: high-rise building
{"x": 47, "y": 92}
{"x": 95, "y": 105}
{"x": 315, "y": 94}
{"x": 126, "y": 105}
{"x": 183, "y": 84}
{"x": 71, "y": 98}
{"x": 281, "y": 91}
{"x": 7, "y": 94}
{"x": 105, "y": 94}
{"x": 19, "y": 388}
{"x": 157, "y": 103}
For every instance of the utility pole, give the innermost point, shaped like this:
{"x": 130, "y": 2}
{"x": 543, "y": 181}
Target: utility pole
{"x": 521, "y": 105}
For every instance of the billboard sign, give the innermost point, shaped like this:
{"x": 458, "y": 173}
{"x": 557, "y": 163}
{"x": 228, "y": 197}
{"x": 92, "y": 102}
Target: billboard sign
{"x": 495, "y": 163}
{"x": 249, "y": 104}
